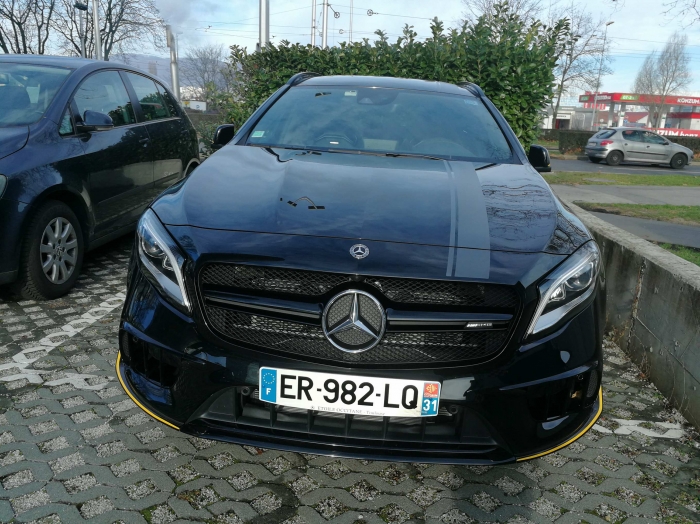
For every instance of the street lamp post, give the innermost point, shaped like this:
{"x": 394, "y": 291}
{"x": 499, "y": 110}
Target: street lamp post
{"x": 82, "y": 29}
{"x": 600, "y": 71}
{"x": 98, "y": 36}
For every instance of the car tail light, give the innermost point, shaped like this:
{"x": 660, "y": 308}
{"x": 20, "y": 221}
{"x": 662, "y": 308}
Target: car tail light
{"x": 606, "y": 142}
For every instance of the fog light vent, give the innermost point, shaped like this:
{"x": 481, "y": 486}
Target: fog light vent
{"x": 592, "y": 384}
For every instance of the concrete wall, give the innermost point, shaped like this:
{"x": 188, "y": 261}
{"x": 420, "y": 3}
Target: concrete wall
{"x": 653, "y": 311}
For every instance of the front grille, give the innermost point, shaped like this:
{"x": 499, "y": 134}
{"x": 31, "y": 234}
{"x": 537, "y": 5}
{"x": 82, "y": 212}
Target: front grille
{"x": 396, "y": 347}
{"x": 279, "y": 310}
{"x": 317, "y": 283}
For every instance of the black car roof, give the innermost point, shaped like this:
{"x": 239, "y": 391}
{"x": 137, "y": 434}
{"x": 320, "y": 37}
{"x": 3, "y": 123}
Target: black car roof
{"x": 71, "y": 62}
{"x": 385, "y": 81}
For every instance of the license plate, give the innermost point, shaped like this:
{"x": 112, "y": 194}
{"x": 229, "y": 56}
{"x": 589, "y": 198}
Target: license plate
{"x": 592, "y": 143}
{"x": 349, "y": 394}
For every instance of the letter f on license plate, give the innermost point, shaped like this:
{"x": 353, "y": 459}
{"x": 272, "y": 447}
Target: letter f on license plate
{"x": 349, "y": 394}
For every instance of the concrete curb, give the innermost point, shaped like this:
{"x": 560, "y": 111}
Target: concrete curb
{"x": 653, "y": 311}
{"x": 559, "y": 156}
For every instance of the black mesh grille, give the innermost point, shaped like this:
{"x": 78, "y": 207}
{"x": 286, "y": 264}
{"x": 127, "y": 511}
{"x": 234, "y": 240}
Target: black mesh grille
{"x": 309, "y": 283}
{"x": 316, "y": 283}
{"x": 309, "y": 340}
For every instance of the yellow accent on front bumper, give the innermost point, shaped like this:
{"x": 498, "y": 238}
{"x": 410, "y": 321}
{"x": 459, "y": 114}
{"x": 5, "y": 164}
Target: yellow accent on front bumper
{"x": 575, "y": 437}
{"x": 121, "y": 381}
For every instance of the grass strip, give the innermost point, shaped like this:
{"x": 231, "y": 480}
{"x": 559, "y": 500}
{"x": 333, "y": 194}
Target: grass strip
{"x": 686, "y": 215}
{"x": 688, "y": 253}
{"x": 614, "y": 179}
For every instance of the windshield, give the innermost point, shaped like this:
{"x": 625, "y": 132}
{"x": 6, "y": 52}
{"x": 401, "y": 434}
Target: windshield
{"x": 378, "y": 120}
{"x": 26, "y": 91}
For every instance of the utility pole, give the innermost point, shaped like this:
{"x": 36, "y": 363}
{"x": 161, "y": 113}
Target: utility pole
{"x": 351, "y": 21}
{"x": 324, "y": 42}
{"x": 600, "y": 70}
{"x": 174, "y": 73}
{"x": 82, "y": 29}
{"x": 313, "y": 23}
{"x": 264, "y": 24}
{"x": 98, "y": 36}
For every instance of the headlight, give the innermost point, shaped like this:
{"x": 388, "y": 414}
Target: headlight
{"x": 162, "y": 260}
{"x": 566, "y": 287}
{"x": 3, "y": 183}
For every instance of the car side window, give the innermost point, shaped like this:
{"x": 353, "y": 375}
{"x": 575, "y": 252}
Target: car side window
{"x": 169, "y": 101}
{"x": 632, "y": 136}
{"x": 150, "y": 99}
{"x": 653, "y": 138}
{"x": 66, "y": 127}
{"x": 105, "y": 93}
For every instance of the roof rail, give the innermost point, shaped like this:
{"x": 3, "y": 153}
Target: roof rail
{"x": 473, "y": 88}
{"x": 300, "y": 77}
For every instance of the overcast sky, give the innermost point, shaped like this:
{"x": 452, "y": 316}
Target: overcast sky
{"x": 640, "y": 26}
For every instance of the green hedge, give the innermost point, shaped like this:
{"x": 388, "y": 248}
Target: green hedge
{"x": 687, "y": 141}
{"x": 510, "y": 58}
{"x": 573, "y": 141}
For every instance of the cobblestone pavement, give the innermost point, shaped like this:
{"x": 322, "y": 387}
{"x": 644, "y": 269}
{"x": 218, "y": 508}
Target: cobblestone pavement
{"x": 74, "y": 447}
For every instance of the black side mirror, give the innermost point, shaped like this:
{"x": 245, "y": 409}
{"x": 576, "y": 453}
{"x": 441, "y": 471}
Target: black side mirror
{"x": 95, "y": 121}
{"x": 539, "y": 159}
{"x": 223, "y": 136}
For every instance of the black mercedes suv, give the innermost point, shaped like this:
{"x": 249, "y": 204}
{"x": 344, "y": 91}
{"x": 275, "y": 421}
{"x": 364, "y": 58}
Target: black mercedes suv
{"x": 371, "y": 267}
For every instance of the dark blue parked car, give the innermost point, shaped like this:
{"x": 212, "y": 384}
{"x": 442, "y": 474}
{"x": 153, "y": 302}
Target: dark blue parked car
{"x": 373, "y": 268}
{"x": 85, "y": 146}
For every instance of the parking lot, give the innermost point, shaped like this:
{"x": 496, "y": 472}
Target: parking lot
{"x": 74, "y": 447}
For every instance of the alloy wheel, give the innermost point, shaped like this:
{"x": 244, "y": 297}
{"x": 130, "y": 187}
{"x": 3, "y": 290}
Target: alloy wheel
{"x": 58, "y": 250}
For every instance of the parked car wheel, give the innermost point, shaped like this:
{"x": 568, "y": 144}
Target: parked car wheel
{"x": 52, "y": 253}
{"x": 614, "y": 158}
{"x": 594, "y": 159}
{"x": 678, "y": 161}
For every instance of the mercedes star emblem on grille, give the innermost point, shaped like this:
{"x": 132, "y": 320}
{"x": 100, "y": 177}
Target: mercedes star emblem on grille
{"x": 353, "y": 321}
{"x": 359, "y": 251}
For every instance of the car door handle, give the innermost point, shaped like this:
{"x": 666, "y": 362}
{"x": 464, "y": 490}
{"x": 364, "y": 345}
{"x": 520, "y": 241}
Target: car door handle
{"x": 143, "y": 140}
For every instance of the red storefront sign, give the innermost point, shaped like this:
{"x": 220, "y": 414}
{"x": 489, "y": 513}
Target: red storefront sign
{"x": 631, "y": 98}
{"x": 677, "y": 132}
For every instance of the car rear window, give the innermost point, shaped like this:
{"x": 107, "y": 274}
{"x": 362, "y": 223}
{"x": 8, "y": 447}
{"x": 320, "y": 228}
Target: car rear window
{"x": 383, "y": 120}
{"x": 607, "y": 133}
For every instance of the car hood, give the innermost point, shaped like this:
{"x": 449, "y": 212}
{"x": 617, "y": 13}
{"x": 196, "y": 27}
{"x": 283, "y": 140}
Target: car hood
{"x": 12, "y": 139}
{"x": 343, "y": 195}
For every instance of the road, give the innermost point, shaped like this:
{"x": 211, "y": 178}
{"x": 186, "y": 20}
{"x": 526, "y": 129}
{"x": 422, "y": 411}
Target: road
{"x": 74, "y": 447}
{"x": 628, "y": 169}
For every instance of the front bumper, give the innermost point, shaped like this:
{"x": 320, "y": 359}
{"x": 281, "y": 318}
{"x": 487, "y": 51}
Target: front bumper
{"x": 489, "y": 414}
{"x": 12, "y": 217}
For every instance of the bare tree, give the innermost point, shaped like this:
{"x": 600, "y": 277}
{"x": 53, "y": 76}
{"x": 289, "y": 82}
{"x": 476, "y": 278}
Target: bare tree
{"x": 529, "y": 9}
{"x": 688, "y": 11}
{"x": 583, "y": 57}
{"x": 664, "y": 74}
{"x": 126, "y": 26}
{"x": 25, "y": 25}
{"x": 203, "y": 71}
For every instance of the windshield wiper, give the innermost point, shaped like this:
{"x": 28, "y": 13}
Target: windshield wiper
{"x": 381, "y": 153}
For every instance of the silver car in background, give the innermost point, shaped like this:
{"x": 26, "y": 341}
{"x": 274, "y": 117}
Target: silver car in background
{"x": 618, "y": 144}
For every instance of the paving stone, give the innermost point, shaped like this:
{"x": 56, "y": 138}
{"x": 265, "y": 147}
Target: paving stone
{"x": 49, "y": 519}
{"x": 242, "y": 480}
{"x": 96, "y": 432}
{"x": 43, "y": 427}
{"x": 266, "y": 503}
{"x": 394, "y": 514}
{"x": 200, "y": 498}
{"x": 335, "y": 470}
{"x": 80, "y": 483}
{"x": 65, "y": 463}
{"x": 140, "y": 489}
{"x": 110, "y": 448}
{"x": 54, "y": 444}
{"x": 485, "y": 502}
{"x": 392, "y": 474}
{"x": 663, "y": 467}
{"x": 509, "y": 486}
{"x": 424, "y": 496}
{"x": 450, "y": 480}
{"x": 454, "y": 516}
{"x": 330, "y": 508}
{"x": 229, "y": 518}
{"x": 161, "y": 514}
{"x": 300, "y": 486}
{"x": 649, "y": 482}
{"x": 18, "y": 479}
{"x": 569, "y": 492}
{"x": 588, "y": 475}
{"x": 222, "y": 460}
{"x": 278, "y": 465}
{"x": 29, "y": 501}
{"x": 627, "y": 495}
{"x": 150, "y": 435}
{"x": 610, "y": 513}
{"x": 183, "y": 474}
{"x": 125, "y": 468}
{"x": 11, "y": 457}
{"x": 546, "y": 508}
{"x": 83, "y": 416}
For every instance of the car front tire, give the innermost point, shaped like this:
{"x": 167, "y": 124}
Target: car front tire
{"x": 614, "y": 158}
{"x": 52, "y": 253}
{"x": 678, "y": 161}
{"x": 594, "y": 159}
